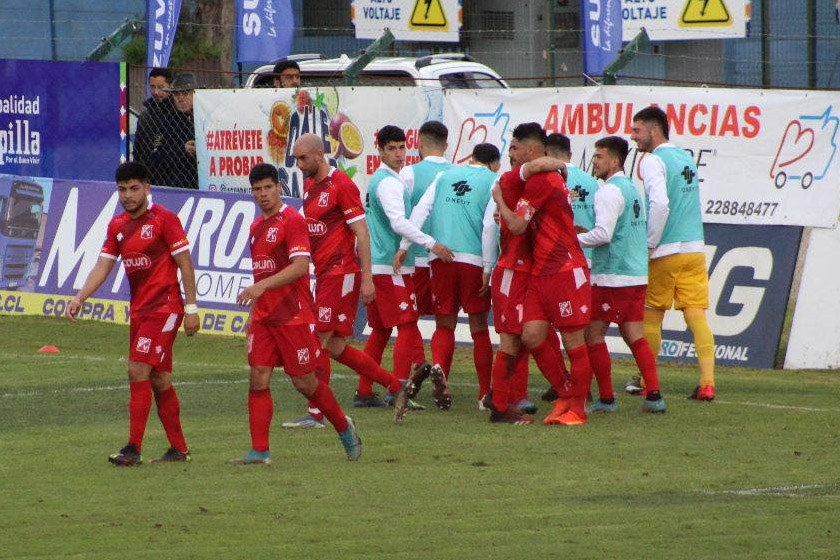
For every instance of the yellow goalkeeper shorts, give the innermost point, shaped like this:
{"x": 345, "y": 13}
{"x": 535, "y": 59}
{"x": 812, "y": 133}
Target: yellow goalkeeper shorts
{"x": 679, "y": 280}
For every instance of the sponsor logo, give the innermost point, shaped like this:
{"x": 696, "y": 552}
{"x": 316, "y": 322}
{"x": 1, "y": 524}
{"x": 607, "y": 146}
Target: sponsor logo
{"x": 637, "y": 208}
{"x": 143, "y": 344}
{"x": 262, "y": 263}
{"x": 584, "y": 309}
{"x": 461, "y": 188}
{"x": 271, "y": 235}
{"x": 303, "y": 356}
{"x": 147, "y": 231}
{"x": 137, "y": 261}
{"x": 605, "y": 307}
{"x": 565, "y": 308}
{"x": 316, "y": 227}
{"x": 325, "y": 314}
{"x": 806, "y": 150}
{"x": 342, "y": 318}
{"x": 324, "y": 199}
{"x": 403, "y": 306}
{"x": 119, "y": 237}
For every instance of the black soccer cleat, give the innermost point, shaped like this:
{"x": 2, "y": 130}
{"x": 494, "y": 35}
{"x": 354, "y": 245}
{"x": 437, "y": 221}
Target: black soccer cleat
{"x": 419, "y": 373}
{"x": 173, "y": 455}
{"x": 550, "y": 395}
{"x": 128, "y": 456}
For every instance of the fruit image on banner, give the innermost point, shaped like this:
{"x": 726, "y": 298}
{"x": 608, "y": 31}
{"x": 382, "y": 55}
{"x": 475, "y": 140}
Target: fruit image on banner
{"x": 237, "y": 129}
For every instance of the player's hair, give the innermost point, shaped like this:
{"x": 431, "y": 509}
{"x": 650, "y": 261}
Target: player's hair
{"x": 559, "y": 143}
{"x": 285, "y": 65}
{"x": 131, "y": 170}
{"x": 389, "y": 133}
{"x": 486, "y": 153}
{"x": 654, "y": 115}
{"x": 164, "y": 73}
{"x": 436, "y": 132}
{"x": 616, "y": 146}
{"x": 263, "y": 171}
{"x": 530, "y": 131}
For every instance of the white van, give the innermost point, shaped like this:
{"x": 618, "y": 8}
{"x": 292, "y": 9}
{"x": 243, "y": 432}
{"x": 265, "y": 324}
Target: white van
{"x": 437, "y": 71}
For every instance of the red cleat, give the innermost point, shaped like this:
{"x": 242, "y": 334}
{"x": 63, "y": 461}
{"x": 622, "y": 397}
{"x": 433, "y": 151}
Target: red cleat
{"x": 560, "y": 408}
{"x": 572, "y": 418}
{"x": 703, "y": 393}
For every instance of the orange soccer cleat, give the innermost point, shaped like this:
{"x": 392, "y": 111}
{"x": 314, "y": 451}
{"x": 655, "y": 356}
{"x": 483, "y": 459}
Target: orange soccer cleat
{"x": 703, "y": 393}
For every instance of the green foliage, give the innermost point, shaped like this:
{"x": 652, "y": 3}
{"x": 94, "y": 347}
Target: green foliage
{"x": 442, "y": 485}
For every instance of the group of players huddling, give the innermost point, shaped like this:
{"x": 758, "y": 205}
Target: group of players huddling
{"x": 544, "y": 245}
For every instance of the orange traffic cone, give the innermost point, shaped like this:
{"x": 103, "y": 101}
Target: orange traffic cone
{"x": 48, "y": 349}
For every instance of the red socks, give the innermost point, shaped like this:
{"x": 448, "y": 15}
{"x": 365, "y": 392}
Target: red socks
{"x": 419, "y": 351}
{"x": 483, "y": 357}
{"x": 647, "y": 364}
{"x": 364, "y": 365}
{"x": 581, "y": 377}
{"x": 139, "y": 406}
{"x": 325, "y": 400}
{"x": 260, "y": 411}
{"x": 323, "y": 373}
{"x": 443, "y": 347}
{"x": 599, "y": 357}
{"x": 408, "y": 336}
{"x": 549, "y": 363}
{"x": 519, "y": 380}
{"x": 504, "y": 366}
{"x": 169, "y": 412}
{"x": 374, "y": 347}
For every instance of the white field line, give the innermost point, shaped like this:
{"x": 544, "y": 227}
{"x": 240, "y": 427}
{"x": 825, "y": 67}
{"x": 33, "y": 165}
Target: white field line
{"x": 787, "y": 491}
{"x": 779, "y": 406}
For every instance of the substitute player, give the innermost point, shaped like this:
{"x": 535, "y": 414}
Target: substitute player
{"x": 510, "y": 281}
{"x": 395, "y": 305}
{"x": 153, "y": 247}
{"x": 340, "y": 243}
{"x": 558, "y": 294}
{"x": 454, "y": 209}
{"x": 619, "y": 275}
{"x": 677, "y": 268}
{"x": 282, "y": 321}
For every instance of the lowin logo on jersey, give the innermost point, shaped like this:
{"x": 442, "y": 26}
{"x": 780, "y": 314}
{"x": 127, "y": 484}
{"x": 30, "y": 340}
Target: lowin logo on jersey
{"x": 271, "y": 236}
{"x": 147, "y": 232}
{"x": 461, "y": 188}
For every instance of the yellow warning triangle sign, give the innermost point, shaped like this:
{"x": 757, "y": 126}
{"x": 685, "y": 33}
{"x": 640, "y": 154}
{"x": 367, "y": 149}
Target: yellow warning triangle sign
{"x": 428, "y": 14}
{"x": 709, "y": 13}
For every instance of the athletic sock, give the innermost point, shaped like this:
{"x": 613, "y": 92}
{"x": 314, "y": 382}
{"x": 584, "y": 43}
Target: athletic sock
{"x": 483, "y": 358}
{"x": 548, "y": 362}
{"x": 704, "y": 344}
{"x": 653, "y": 329}
{"x": 599, "y": 357}
{"x": 646, "y": 362}
{"x": 325, "y": 399}
{"x": 169, "y": 412}
{"x": 407, "y": 336}
{"x": 364, "y": 365}
{"x": 519, "y": 380}
{"x": 554, "y": 339}
{"x": 419, "y": 352}
{"x": 323, "y": 372}
{"x": 139, "y": 406}
{"x": 504, "y": 366}
{"x": 581, "y": 373}
{"x": 443, "y": 346}
{"x": 374, "y": 347}
{"x": 260, "y": 411}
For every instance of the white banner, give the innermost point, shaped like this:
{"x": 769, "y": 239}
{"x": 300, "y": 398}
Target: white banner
{"x": 236, "y": 129}
{"x": 763, "y": 157}
{"x": 685, "y": 20}
{"x": 408, "y": 20}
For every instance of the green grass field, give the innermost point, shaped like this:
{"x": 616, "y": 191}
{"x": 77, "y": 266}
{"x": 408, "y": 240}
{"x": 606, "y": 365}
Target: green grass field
{"x": 755, "y": 474}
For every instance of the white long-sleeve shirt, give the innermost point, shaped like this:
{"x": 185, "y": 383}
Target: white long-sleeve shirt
{"x": 652, "y": 170}
{"x": 407, "y": 172}
{"x": 489, "y": 237}
{"x": 390, "y": 195}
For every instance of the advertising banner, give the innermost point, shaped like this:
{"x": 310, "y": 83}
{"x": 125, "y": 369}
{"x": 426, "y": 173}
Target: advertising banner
{"x": 763, "y": 157}
{"x": 60, "y": 118}
{"x": 667, "y": 20}
{"x": 236, "y": 129}
{"x": 264, "y": 29}
{"x": 408, "y": 20}
{"x": 601, "y": 33}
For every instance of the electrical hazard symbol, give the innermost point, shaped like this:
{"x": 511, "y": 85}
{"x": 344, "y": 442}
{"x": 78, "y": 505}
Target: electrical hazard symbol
{"x": 428, "y": 14}
{"x": 711, "y": 13}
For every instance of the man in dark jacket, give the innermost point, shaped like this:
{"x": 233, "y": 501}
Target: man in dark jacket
{"x": 149, "y": 137}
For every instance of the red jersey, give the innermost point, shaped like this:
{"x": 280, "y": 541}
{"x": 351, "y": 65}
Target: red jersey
{"x": 546, "y": 203}
{"x": 275, "y": 240}
{"x": 146, "y": 245}
{"x": 330, "y": 206}
{"x": 515, "y": 250}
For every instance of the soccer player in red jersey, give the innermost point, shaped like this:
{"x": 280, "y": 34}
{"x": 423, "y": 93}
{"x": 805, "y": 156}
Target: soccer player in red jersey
{"x": 559, "y": 292}
{"x": 340, "y": 243}
{"x": 153, "y": 247}
{"x": 509, "y": 284}
{"x": 282, "y": 322}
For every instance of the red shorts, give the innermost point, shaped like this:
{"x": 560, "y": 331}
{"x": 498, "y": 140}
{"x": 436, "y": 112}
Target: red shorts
{"x": 562, "y": 299}
{"x": 618, "y": 305}
{"x": 423, "y": 290}
{"x": 455, "y": 286}
{"x": 295, "y": 347}
{"x": 337, "y": 300}
{"x": 508, "y": 287}
{"x": 395, "y": 302}
{"x": 151, "y": 338}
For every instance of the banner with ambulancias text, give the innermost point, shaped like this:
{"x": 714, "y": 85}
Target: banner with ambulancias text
{"x": 763, "y": 157}
{"x": 236, "y": 129}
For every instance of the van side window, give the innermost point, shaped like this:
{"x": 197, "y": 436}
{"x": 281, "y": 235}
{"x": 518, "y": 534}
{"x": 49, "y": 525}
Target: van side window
{"x": 456, "y": 80}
